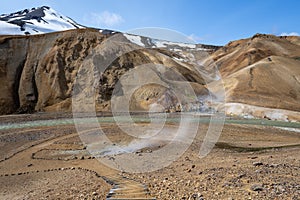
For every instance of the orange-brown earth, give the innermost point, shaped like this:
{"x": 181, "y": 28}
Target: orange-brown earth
{"x": 38, "y": 73}
{"x": 259, "y": 73}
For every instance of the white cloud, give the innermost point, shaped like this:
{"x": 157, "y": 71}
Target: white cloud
{"x": 290, "y": 34}
{"x": 105, "y": 18}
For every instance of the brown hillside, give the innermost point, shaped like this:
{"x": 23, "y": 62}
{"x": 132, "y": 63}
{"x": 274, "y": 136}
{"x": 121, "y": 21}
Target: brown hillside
{"x": 38, "y": 72}
{"x": 261, "y": 71}
{"x": 241, "y": 53}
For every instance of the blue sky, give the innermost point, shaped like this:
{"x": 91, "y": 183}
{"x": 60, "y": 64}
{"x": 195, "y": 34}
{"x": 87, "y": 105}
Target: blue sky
{"x": 207, "y": 21}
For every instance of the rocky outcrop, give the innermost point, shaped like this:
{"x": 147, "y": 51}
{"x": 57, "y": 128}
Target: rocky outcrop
{"x": 38, "y": 71}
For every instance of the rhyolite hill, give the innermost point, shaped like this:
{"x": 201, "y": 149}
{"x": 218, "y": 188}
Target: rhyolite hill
{"x": 39, "y": 66}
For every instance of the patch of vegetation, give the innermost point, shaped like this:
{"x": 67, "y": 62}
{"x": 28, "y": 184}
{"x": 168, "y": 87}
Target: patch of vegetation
{"x": 223, "y": 145}
{"x": 263, "y": 122}
{"x": 297, "y": 58}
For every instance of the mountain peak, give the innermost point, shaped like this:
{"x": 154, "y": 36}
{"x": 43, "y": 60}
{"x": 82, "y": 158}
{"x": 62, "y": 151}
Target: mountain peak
{"x": 35, "y": 21}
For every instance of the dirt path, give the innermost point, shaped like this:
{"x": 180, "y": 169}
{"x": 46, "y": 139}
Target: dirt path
{"x": 249, "y": 162}
{"x": 122, "y": 187}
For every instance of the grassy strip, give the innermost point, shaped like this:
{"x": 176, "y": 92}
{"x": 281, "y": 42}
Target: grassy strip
{"x": 223, "y": 145}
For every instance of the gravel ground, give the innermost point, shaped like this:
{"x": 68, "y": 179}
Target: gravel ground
{"x": 274, "y": 174}
{"x": 248, "y": 162}
{"x": 57, "y": 184}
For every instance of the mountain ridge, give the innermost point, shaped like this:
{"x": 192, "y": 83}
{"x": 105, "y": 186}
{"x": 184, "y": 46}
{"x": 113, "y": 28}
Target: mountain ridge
{"x": 36, "y": 21}
{"x": 260, "y": 74}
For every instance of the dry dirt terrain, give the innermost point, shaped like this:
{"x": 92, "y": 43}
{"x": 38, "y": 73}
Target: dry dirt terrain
{"x": 51, "y": 162}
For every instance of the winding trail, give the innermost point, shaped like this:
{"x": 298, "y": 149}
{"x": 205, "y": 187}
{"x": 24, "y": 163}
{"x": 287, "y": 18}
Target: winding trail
{"x": 122, "y": 187}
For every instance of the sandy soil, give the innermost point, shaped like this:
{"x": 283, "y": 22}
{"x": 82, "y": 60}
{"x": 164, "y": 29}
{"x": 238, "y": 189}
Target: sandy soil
{"x": 51, "y": 162}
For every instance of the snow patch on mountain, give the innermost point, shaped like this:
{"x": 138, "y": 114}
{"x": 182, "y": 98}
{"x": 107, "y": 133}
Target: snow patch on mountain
{"x": 135, "y": 39}
{"x": 156, "y": 43}
{"x": 35, "y": 21}
{"x": 9, "y": 29}
{"x": 162, "y": 44}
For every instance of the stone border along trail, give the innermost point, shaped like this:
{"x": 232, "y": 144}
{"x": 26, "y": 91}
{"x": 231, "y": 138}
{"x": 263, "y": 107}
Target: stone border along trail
{"x": 24, "y": 147}
{"x": 122, "y": 187}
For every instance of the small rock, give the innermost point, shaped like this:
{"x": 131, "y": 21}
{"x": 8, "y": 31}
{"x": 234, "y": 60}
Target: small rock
{"x": 111, "y": 158}
{"x": 73, "y": 188}
{"x": 274, "y": 165}
{"x": 197, "y": 195}
{"x": 252, "y": 157}
{"x": 257, "y": 163}
{"x": 281, "y": 189}
{"x": 258, "y": 171}
{"x": 95, "y": 193}
{"x": 241, "y": 175}
{"x": 257, "y": 187}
